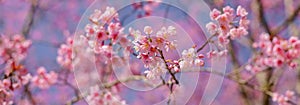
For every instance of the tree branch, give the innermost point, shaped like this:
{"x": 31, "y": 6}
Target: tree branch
{"x": 286, "y": 22}
{"x": 29, "y": 19}
{"x": 262, "y": 19}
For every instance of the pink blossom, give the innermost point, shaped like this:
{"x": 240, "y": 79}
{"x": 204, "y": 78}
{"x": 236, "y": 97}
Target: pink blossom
{"x": 98, "y": 97}
{"x": 190, "y": 59}
{"x": 244, "y": 22}
{"x": 283, "y": 99}
{"x": 214, "y": 14}
{"x": 228, "y": 10}
{"x": 276, "y": 52}
{"x": 43, "y": 79}
{"x": 212, "y": 28}
{"x": 65, "y": 57}
{"x": 148, "y": 30}
{"x": 237, "y": 32}
{"x": 241, "y": 11}
{"x": 227, "y": 24}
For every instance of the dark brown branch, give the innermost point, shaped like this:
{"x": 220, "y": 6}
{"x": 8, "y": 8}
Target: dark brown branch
{"x": 169, "y": 70}
{"x": 207, "y": 41}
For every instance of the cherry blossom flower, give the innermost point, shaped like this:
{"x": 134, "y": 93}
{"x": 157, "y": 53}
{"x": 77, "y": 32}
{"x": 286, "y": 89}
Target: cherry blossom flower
{"x": 214, "y": 14}
{"x": 237, "y": 32}
{"x": 97, "y": 97}
{"x": 283, "y": 99}
{"x": 5, "y": 93}
{"x": 106, "y": 17}
{"x": 65, "y": 57}
{"x": 150, "y": 46}
{"x": 229, "y": 24}
{"x": 156, "y": 69}
{"x": 43, "y": 79}
{"x": 148, "y": 30}
{"x": 190, "y": 59}
{"x": 212, "y": 28}
{"x": 275, "y": 53}
{"x": 241, "y": 11}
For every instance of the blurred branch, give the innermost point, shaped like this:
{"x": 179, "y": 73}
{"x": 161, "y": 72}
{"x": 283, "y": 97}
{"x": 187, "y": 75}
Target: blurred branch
{"x": 286, "y": 22}
{"x": 107, "y": 85}
{"x": 262, "y": 18}
{"x": 207, "y": 41}
{"x": 29, "y": 94}
{"x": 30, "y": 18}
{"x": 236, "y": 65}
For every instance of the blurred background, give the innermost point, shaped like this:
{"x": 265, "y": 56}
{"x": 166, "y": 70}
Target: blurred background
{"x": 48, "y": 23}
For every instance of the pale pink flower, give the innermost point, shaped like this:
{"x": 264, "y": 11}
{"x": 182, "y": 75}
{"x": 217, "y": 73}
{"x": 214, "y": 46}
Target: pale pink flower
{"x": 156, "y": 69}
{"x": 241, "y": 11}
{"x": 282, "y": 99}
{"x": 190, "y": 59}
{"x": 96, "y": 16}
{"x": 171, "y": 30}
{"x": 244, "y": 22}
{"x": 148, "y": 30}
{"x": 199, "y": 62}
{"x": 228, "y": 10}
{"x": 104, "y": 97}
{"x": 65, "y": 57}
{"x": 212, "y": 28}
{"x": 237, "y": 32}
{"x": 214, "y": 14}
{"x": 43, "y": 79}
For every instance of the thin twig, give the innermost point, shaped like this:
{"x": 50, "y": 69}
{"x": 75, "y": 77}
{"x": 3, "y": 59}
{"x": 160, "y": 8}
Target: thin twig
{"x": 29, "y": 94}
{"x": 261, "y": 16}
{"x": 286, "y": 22}
{"x": 169, "y": 70}
{"x": 207, "y": 41}
{"x": 30, "y": 18}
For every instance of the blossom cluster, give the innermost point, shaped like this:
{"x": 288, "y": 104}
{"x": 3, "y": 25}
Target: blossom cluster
{"x": 147, "y": 7}
{"x": 283, "y": 99}
{"x": 150, "y": 47}
{"x": 43, "y": 79}
{"x": 275, "y": 53}
{"x": 98, "y": 97}
{"x": 13, "y": 50}
{"x": 230, "y": 24}
{"x": 105, "y": 38}
{"x": 65, "y": 57}
{"x": 190, "y": 59}
{"x": 104, "y": 31}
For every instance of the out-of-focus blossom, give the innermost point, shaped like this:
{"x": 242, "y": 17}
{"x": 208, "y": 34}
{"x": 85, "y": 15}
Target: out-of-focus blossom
{"x": 65, "y": 57}
{"x": 241, "y": 11}
{"x": 43, "y": 79}
{"x": 275, "y": 53}
{"x": 229, "y": 24}
{"x": 106, "y": 17}
{"x": 98, "y": 97}
{"x": 190, "y": 59}
{"x": 237, "y": 32}
{"x": 283, "y": 99}
{"x": 148, "y": 30}
{"x": 156, "y": 69}
{"x": 214, "y": 14}
{"x": 212, "y": 28}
